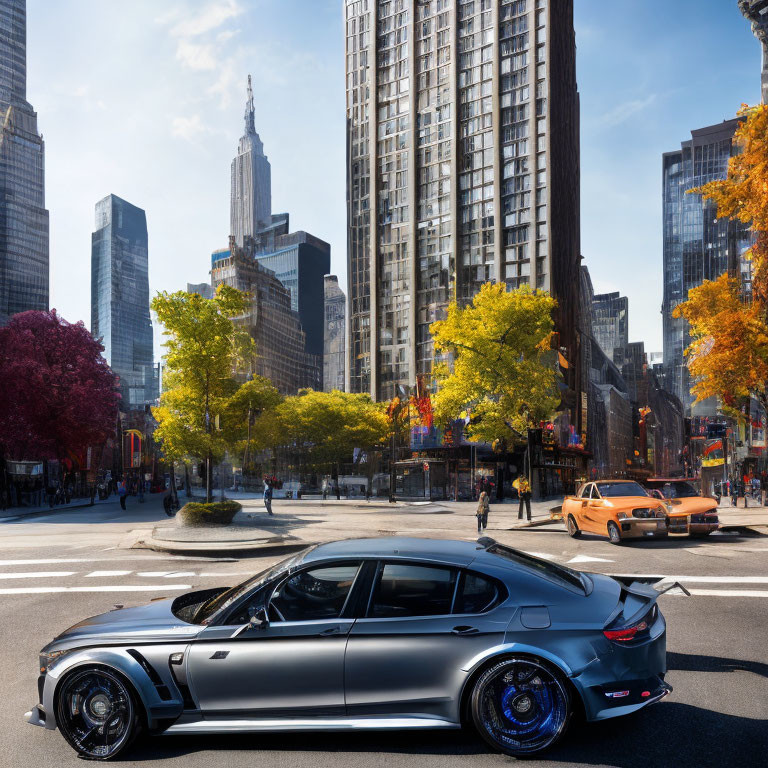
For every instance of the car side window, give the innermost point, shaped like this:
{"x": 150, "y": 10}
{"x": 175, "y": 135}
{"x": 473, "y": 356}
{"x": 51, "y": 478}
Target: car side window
{"x": 318, "y": 593}
{"x": 595, "y": 494}
{"x": 585, "y": 489}
{"x": 476, "y": 594}
{"x": 409, "y": 589}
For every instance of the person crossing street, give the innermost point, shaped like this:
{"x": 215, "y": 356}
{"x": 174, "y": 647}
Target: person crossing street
{"x": 483, "y": 506}
{"x": 122, "y": 492}
{"x": 523, "y": 488}
{"x": 268, "y": 496}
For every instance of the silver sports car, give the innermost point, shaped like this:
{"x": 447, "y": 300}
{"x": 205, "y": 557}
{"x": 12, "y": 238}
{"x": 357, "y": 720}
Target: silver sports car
{"x": 389, "y": 633}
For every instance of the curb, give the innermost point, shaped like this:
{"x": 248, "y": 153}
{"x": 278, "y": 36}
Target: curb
{"x": 533, "y": 524}
{"x": 271, "y": 545}
{"x": 757, "y": 529}
{"x": 52, "y": 511}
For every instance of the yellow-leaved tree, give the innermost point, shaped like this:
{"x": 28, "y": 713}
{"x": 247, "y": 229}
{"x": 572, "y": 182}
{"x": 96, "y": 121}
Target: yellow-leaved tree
{"x": 728, "y": 354}
{"x": 501, "y": 368}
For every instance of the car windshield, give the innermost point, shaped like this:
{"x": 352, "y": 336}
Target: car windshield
{"x": 623, "y": 488}
{"x": 678, "y": 490}
{"x": 211, "y": 607}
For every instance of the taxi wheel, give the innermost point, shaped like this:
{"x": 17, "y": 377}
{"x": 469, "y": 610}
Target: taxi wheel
{"x": 613, "y": 533}
{"x": 573, "y": 529}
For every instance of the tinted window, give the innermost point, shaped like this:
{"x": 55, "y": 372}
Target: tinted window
{"x": 558, "y": 573}
{"x": 584, "y": 492}
{"x": 412, "y": 590}
{"x": 623, "y": 488}
{"x": 678, "y": 490}
{"x": 319, "y": 593}
{"x": 594, "y": 494}
{"x": 476, "y": 594}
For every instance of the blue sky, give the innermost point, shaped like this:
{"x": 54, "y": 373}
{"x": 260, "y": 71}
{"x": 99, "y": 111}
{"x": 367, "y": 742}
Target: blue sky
{"x": 145, "y": 100}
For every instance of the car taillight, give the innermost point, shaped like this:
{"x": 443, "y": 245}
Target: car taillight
{"x": 626, "y": 634}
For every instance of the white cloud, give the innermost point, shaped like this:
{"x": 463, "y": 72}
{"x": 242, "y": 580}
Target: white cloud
{"x": 209, "y": 18}
{"x": 198, "y": 56}
{"x": 188, "y": 128}
{"x": 622, "y": 112}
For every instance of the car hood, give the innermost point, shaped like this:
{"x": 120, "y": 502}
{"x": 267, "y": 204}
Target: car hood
{"x": 151, "y": 622}
{"x": 691, "y": 505}
{"x": 634, "y": 501}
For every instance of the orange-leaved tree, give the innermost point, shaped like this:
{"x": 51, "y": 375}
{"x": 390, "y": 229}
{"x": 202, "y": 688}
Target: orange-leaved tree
{"x": 743, "y": 194}
{"x": 728, "y": 355}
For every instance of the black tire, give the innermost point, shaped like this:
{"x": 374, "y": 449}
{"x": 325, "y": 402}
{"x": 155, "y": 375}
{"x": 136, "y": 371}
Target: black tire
{"x": 614, "y": 534}
{"x": 573, "y": 528}
{"x": 520, "y": 706}
{"x": 700, "y": 534}
{"x": 98, "y": 713}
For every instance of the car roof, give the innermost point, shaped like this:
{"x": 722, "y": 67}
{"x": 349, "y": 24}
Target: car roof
{"x": 441, "y": 550}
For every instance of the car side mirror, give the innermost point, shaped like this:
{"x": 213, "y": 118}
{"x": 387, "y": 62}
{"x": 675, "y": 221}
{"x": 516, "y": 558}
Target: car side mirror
{"x": 258, "y": 621}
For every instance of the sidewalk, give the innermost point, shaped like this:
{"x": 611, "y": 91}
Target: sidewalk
{"x": 297, "y": 523}
{"x": 14, "y": 513}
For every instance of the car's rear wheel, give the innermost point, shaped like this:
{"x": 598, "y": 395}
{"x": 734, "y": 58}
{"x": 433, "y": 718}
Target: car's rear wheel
{"x": 613, "y": 533}
{"x": 97, "y": 713}
{"x": 700, "y": 534}
{"x": 573, "y": 529}
{"x": 520, "y": 706}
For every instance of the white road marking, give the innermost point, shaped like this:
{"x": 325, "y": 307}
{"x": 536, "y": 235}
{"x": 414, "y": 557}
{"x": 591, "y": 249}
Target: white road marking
{"x": 102, "y": 574}
{"x": 110, "y": 588}
{"x": 213, "y": 575}
{"x": 166, "y": 574}
{"x": 52, "y": 561}
{"x": 37, "y": 574}
{"x": 588, "y": 559}
{"x": 542, "y": 555}
{"x": 719, "y": 579}
{"x": 724, "y": 592}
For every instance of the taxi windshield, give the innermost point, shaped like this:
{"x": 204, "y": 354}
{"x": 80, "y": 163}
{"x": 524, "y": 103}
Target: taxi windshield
{"x": 622, "y": 488}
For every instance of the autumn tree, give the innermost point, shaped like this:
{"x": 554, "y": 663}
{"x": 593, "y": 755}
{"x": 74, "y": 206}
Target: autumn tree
{"x": 57, "y": 393}
{"x": 728, "y": 354}
{"x": 743, "y": 194}
{"x": 202, "y": 349}
{"x": 327, "y": 426}
{"x": 500, "y": 366}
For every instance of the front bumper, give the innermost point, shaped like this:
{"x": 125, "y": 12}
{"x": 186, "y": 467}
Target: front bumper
{"x": 643, "y": 527}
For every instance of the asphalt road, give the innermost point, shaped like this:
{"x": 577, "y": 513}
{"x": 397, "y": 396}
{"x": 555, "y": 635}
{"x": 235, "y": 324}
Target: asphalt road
{"x": 57, "y": 569}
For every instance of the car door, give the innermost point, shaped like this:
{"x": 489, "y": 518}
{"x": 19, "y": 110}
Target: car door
{"x": 423, "y": 624}
{"x": 580, "y": 511}
{"x": 292, "y": 666}
{"x": 594, "y": 511}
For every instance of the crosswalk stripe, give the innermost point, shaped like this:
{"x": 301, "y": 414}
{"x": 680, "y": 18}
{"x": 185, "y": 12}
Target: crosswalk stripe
{"x": 588, "y": 559}
{"x": 101, "y": 588}
{"x": 166, "y": 574}
{"x": 102, "y": 574}
{"x": 37, "y": 574}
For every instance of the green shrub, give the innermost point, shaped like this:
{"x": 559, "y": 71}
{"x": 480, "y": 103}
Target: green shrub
{"x": 216, "y": 513}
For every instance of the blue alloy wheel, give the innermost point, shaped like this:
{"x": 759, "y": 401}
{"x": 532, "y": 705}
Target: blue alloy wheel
{"x": 520, "y": 706}
{"x": 96, "y": 713}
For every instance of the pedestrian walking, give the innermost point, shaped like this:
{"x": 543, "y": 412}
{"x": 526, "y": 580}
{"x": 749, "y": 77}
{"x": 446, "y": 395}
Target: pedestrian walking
{"x": 524, "y": 493}
{"x": 483, "y": 506}
{"x": 122, "y": 492}
{"x": 268, "y": 496}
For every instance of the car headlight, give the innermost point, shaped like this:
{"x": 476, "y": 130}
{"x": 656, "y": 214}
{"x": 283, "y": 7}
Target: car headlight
{"x": 46, "y": 659}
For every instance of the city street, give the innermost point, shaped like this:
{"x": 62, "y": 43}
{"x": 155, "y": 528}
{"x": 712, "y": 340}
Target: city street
{"x": 58, "y": 568}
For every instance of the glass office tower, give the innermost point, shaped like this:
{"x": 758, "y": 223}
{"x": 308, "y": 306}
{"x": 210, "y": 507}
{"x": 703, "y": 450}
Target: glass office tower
{"x": 120, "y": 298}
{"x": 697, "y": 245}
{"x": 462, "y": 168}
{"x": 23, "y": 217}
{"x": 610, "y": 323}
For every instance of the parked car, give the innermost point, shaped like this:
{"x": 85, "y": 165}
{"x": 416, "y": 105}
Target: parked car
{"x": 381, "y": 634}
{"x": 688, "y": 511}
{"x": 618, "y": 509}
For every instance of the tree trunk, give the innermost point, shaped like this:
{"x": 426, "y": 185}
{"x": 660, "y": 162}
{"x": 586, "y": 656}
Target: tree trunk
{"x": 187, "y": 483}
{"x": 208, "y": 478}
{"x": 172, "y": 474}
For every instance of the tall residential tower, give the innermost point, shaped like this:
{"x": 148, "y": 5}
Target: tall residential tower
{"x": 120, "y": 298}
{"x": 462, "y": 168}
{"x": 23, "y": 217}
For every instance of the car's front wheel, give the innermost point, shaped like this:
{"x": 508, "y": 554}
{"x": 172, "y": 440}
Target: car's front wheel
{"x": 520, "y": 706}
{"x": 613, "y": 533}
{"x": 573, "y": 528}
{"x": 97, "y": 713}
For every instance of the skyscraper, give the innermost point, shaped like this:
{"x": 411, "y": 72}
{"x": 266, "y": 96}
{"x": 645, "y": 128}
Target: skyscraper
{"x": 610, "y": 323}
{"x": 334, "y": 335}
{"x": 463, "y": 167}
{"x": 23, "y": 217}
{"x": 697, "y": 245}
{"x": 251, "y": 208}
{"x": 120, "y": 298}
{"x": 757, "y": 12}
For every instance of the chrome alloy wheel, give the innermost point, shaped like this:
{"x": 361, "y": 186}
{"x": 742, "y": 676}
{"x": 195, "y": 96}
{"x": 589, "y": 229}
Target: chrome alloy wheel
{"x": 96, "y": 713}
{"x": 520, "y": 706}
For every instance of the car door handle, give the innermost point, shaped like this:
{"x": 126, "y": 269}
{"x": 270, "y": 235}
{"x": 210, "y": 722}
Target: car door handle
{"x": 464, "y": 630}
{"x": 330, "y": 632}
